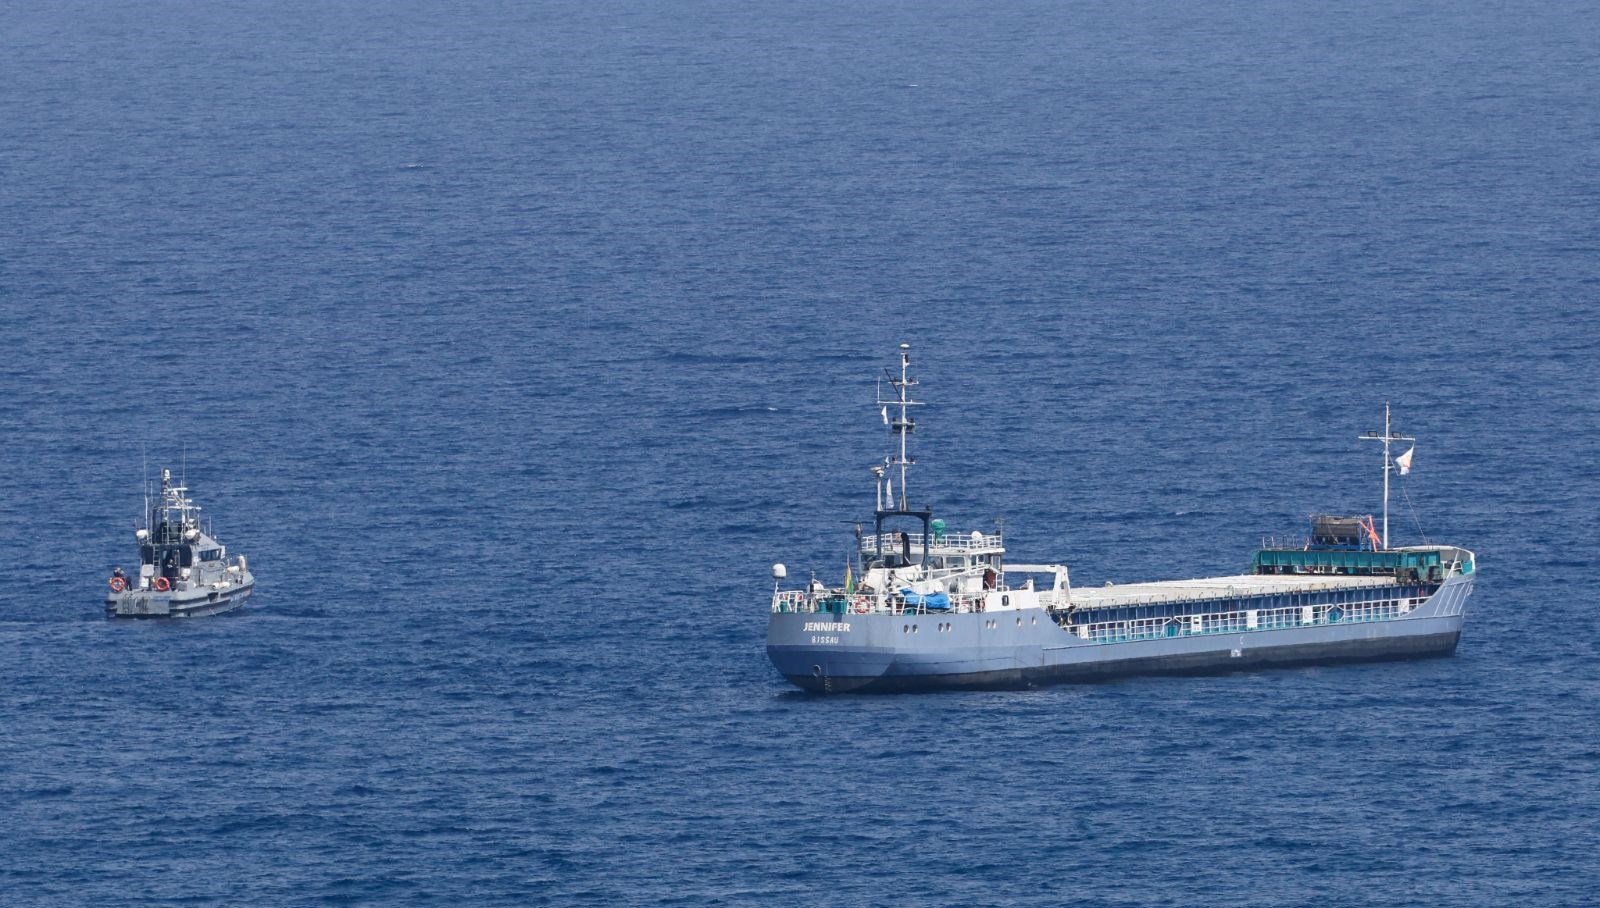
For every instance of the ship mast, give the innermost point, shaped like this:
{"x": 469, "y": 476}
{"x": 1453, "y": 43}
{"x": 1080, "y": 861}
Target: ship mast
{"x": 1388, "y": 437}
{"x": 902, "y": 424}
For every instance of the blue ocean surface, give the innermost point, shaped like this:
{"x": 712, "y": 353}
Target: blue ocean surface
{"x": 514, "y": 341}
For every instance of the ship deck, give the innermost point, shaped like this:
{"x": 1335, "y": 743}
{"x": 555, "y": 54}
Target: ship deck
{"x": 1241, "y": 585}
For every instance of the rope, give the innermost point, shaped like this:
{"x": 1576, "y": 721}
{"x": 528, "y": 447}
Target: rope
{"x": 1415, "y": 520}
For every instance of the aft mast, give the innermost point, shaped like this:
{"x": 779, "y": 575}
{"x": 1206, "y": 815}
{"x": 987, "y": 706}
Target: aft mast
{"x": 1388, "y": 437}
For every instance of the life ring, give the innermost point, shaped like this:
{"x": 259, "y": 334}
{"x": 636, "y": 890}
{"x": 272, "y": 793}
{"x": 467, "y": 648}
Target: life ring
{"x": 118, "y": 584}
{"x": 162, "y": 584}
{"x": 860, "y": 604}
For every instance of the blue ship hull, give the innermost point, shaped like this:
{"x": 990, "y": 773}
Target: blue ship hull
{"x": 829, "y": 653}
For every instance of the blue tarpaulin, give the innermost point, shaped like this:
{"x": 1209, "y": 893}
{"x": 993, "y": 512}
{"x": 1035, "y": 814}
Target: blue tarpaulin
{"x": 938, "y": 602}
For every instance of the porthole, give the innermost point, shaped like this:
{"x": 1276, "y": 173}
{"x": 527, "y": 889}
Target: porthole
{"x": 1034, "y": 620}
{"x": 1019, "y": 621}
{"x": 913, "y": 628}
{"x": 905, "y": 628}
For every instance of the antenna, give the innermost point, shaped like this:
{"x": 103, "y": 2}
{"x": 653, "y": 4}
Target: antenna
{"x": 902, "y": 425}
{"x": 1388, "y": 437}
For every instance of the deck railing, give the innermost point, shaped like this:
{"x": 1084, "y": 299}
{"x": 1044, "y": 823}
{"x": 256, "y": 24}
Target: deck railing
{"x": 950, "y": 542}
{"x": 1243, "y": 621}
{"x": 836, "y": 603}
{"x": 1228, "y": 622}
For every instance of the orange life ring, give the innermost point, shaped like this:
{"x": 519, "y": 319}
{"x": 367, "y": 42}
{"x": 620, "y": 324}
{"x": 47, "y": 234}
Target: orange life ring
{"x": 861, "y": 604}
{"x": 163, "y": 584}
{"x": 118, "y": 584}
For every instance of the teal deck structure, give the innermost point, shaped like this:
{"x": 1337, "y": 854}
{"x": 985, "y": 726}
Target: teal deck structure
{"x": 1424, "y": 563}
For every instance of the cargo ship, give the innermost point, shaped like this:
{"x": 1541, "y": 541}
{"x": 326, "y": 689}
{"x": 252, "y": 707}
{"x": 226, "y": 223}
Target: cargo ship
{"x": 924, "y": 607}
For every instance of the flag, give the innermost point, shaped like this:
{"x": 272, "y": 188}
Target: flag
{"x": 849, "y": 579}
{"x": 1404, "y": 461}
{"x": 886, "y": 416}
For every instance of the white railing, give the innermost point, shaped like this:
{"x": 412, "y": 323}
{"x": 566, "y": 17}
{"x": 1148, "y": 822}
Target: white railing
{"x": 950, "y": 542}
{"x": 838, "y": 602}
{"x": 1242, "y": 621}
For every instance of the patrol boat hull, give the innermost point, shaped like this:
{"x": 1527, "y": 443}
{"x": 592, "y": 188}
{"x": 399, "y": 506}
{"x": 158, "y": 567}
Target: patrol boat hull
{"x": 1026, "y": 647}
{"x": 193, "y": 604}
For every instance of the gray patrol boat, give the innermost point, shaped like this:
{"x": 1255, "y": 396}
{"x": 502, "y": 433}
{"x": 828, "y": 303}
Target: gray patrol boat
{"x": 184, "y": 572}
{"x": 938, "y": 609}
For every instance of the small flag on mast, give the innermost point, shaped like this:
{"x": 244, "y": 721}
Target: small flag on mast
{"x": 1404, "y": 461}
{"x": 886, "y": 415}
{"x": 849, "y": 578}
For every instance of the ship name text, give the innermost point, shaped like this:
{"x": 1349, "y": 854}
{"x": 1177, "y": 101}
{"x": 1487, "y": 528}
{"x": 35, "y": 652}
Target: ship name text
{"x": 842, "y": 627}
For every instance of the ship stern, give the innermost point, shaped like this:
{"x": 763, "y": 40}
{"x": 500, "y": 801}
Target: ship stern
{"x": 827, "y": 653}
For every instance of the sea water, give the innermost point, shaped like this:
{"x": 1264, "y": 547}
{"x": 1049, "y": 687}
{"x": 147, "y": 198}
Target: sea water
{"x": 513, "y": 342}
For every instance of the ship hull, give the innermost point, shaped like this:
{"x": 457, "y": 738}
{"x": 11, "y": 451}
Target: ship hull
{"x": 887, "y": 653}
{"x": 150, "y": 604}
